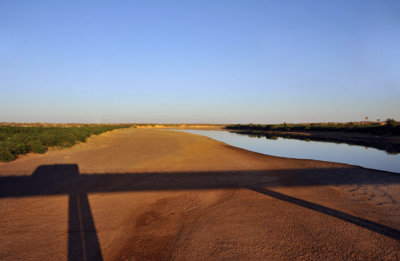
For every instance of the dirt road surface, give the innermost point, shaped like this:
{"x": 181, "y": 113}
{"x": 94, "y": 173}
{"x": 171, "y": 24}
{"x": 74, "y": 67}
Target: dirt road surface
{"x": 148, "y": 194}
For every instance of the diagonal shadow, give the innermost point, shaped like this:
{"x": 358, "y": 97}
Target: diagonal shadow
{"x": 378, "y": 228}
{"x": 83, "y": 243}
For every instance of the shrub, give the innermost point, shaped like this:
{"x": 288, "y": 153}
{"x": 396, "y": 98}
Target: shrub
{"x": 6, "y": 155}
{"x": 19, "y": 148}
{"x": 37, "y": 147}
{"x": 390, "y": 123}
{"x": 21, "y": 140}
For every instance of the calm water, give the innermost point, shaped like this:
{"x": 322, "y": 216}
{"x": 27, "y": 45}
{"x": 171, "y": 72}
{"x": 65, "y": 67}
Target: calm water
{"x": 327, "y": 151}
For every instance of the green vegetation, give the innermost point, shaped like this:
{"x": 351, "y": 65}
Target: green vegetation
{"x": 16, "y": 140}
{"x": 390, "y": 127}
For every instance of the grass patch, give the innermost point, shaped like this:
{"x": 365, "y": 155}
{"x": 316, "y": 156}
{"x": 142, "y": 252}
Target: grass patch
{"x": 15, "y": 140}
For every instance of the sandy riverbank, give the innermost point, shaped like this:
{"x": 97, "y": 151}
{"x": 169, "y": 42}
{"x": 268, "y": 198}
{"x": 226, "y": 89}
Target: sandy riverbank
{"x": 219, "y": 127}
{"x": 148, "y": 194}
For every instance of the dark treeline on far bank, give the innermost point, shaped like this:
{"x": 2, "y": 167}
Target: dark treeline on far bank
{"x": 15, "y": 140}
{"x": 389, "y": 127}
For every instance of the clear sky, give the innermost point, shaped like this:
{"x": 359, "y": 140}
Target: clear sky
{"x": 199, "y": 61}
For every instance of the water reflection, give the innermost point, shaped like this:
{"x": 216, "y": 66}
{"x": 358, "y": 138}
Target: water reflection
{"x": 377, "y": 143}
{"x": 307, "y": 148}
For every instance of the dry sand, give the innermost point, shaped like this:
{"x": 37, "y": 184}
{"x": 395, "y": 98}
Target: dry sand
{"x": 148, "y": 194}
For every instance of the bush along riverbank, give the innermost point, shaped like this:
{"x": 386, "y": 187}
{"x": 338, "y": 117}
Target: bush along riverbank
{"x": 16, "y": 140}
{"x": 390, "y": 127}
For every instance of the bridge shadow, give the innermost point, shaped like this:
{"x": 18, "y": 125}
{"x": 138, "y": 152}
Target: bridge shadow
{"x": 83, "y": 243}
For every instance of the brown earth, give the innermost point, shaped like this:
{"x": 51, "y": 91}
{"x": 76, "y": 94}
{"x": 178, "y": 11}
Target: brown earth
{"x": 148, "y": 194}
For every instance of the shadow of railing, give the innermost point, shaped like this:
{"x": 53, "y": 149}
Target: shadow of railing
{"x": 83, "y": 243}
{"x": 378, "y": 228}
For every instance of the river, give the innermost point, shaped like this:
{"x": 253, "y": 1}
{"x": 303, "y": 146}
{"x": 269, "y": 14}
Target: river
{"x": 300, "y": 149}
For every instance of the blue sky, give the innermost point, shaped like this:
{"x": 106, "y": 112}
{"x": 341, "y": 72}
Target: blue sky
{"x": 199, "y": 61}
